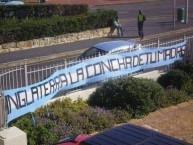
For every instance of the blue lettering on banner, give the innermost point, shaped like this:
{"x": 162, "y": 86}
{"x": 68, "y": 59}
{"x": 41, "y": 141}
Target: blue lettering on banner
{"x": 26, "y": 99}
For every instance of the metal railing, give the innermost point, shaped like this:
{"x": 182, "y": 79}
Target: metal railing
{"x": 20, "y": 76}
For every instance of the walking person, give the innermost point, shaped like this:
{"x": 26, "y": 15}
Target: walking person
{"x": 140, "y": 20}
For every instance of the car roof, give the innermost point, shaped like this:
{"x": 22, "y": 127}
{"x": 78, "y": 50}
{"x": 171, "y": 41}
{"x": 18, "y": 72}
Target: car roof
{"x": 130, "y": 134}
{"x": 111, "y": 45}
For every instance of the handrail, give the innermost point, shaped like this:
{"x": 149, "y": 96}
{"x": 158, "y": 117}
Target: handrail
{"x": 13, "y": 77}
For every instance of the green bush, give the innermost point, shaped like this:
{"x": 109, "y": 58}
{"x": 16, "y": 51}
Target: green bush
{"x": 177, "y": 79}
{"x": 97, "y": 119}
{"x": 14, "y": 30}
{"x": 185, "y": 66}
{"x": 65, "y": 118}
{"x": 136, "y": 95}
{"x": 36, "y": 134}
{"x": 174, "y": 97}
{"x": 41, "y": 11}
{"x": 121, "y": 116}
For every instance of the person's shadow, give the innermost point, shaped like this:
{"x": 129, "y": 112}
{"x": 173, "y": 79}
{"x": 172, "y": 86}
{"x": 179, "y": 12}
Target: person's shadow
{"x": 113, "y": 30}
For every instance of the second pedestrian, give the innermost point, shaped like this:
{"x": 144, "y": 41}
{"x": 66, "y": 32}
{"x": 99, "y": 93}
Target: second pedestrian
{"x": 140, "y": 20}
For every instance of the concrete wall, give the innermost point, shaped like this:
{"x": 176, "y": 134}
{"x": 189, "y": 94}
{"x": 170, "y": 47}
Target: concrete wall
{"x": 13, "y": 136}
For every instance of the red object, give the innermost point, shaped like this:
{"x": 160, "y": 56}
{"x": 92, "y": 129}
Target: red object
{"x": 75, "y": 140}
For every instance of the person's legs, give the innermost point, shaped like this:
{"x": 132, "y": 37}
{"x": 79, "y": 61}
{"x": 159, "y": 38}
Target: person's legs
{"x": 142, "y": 34}
{"x": 118, "y": 33}
{"x": 121, "y": 30}
{"x": 139, "y": 29}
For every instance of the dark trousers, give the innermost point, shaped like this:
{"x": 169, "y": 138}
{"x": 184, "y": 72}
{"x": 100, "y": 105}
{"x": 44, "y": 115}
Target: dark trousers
{"x": 140, "y": 29}
{"x": 119, "y": 30}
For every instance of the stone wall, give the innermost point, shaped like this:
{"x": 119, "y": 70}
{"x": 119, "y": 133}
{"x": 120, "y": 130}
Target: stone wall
{"x": 48, "y": 41}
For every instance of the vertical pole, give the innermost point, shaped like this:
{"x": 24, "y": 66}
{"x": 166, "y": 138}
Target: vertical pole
{"x": 174, "y": 15}
{"x": 184, "y": 37}
{"x": 187, "y": 3}
{"x": 158, "y": 42}
{"x": 66, "y": 63}
{"x": 25, "y": 71}
{"x": 3, "y": 112}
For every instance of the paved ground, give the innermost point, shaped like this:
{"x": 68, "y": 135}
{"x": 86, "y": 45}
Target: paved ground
{"x": 175, "y": 121}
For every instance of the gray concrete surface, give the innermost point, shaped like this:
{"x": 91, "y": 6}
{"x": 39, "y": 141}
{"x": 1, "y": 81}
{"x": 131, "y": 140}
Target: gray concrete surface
{"x": 13, "y": 136}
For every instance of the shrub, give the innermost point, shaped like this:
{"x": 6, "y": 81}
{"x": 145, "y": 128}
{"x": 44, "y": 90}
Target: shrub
{"x": 65, "y": 118}
{"x": 177, "y": 79}
{"x": 136, "y": 95}
{"x": 185, "y": 66}
{"x": 97, "y": 119}
{"x": 41, "y": 11}
{"x": 121, "y": 116}
{"x": 15, "y": 30}
{"x": 175, "y": 96}
{"x": 38, "y": 133}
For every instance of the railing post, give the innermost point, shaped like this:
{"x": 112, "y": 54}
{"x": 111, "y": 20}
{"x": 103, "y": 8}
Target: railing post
{"x": 26, "y": 78}
{"x": 158, "y": 42}
{"x": 65, "y": 63}
{"x": 99, "y": 54}
{"x": 3, "y": 111}
{"x": 184, "y": 37}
